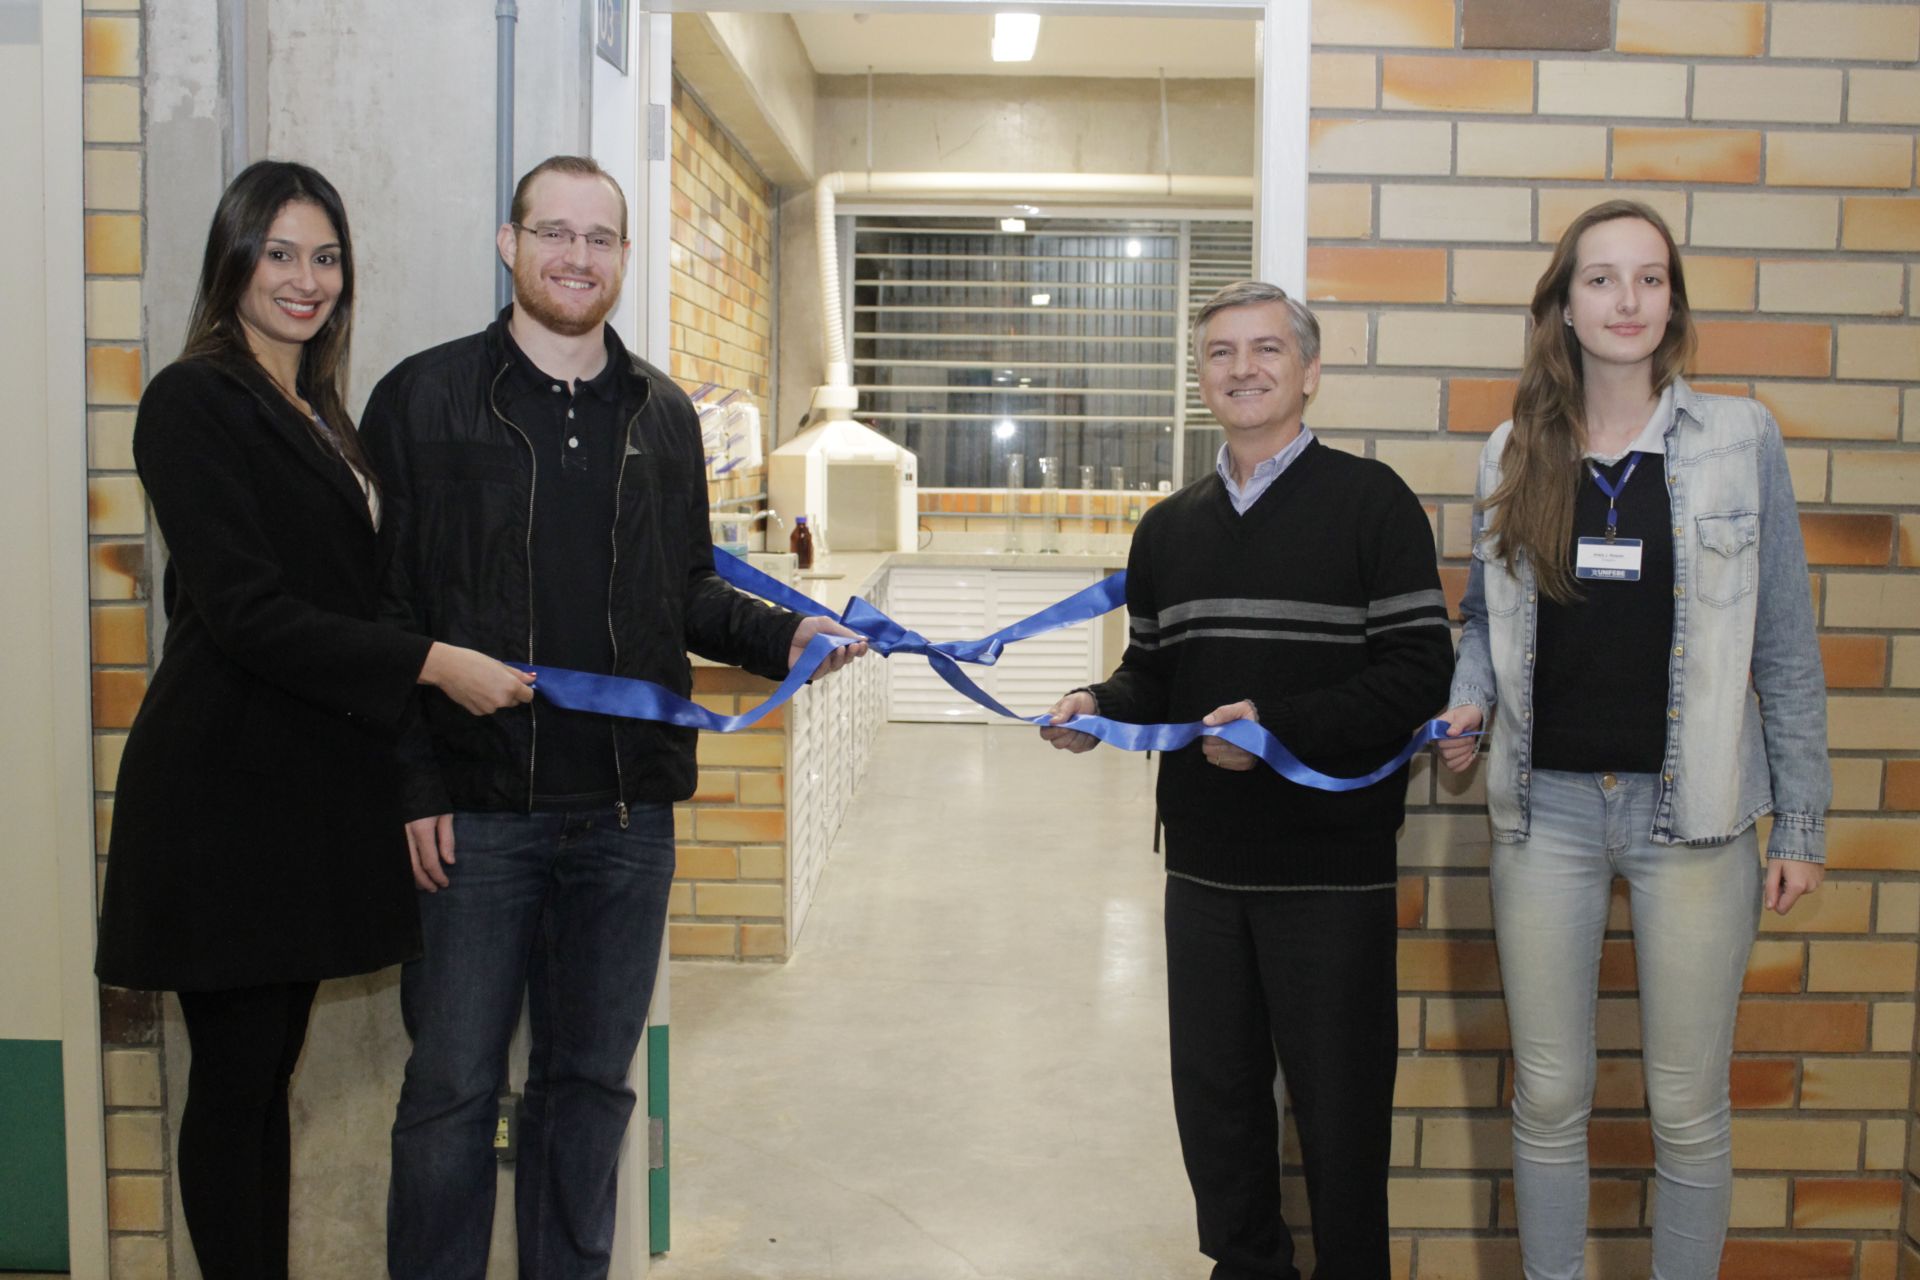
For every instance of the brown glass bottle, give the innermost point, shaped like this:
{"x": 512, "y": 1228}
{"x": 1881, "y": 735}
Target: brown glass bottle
{"x": 801, "y": 543}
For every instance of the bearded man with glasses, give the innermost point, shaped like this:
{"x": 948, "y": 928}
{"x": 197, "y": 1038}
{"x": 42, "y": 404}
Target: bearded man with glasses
{"x": 546, "y": 490}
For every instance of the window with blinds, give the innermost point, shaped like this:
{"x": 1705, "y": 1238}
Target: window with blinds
{"x": 1218, "y": 253}
{"x": 1064, "y": 340}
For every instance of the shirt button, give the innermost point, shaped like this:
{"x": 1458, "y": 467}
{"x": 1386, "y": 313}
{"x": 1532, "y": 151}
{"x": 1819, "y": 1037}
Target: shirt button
{"x": 1673, "y": 713}
{"x": 1678, "y": 592}
{"x": 573, "y": 442}
{"x": 1679, "y": 649}
{"x": 1676, "y": 531}
{"x": 558, "y": 387}
{"x": 1666, "y": 777}
{"x": 569, "y": 413}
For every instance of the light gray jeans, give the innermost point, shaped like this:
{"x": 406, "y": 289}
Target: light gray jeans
{"x": 1695, "y": 912}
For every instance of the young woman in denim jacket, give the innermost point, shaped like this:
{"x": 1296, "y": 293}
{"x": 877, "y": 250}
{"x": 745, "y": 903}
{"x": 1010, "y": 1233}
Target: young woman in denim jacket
{"x": 1645, "y": 653}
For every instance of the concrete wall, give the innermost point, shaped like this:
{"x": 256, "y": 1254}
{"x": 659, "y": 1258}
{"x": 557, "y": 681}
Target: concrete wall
{"x": 752, "y": 72}
{"x": 1004, "y": 124}
{"x": 395, "y": 104}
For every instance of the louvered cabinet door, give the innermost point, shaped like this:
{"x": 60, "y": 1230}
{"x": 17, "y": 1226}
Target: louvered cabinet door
{"x": 807, "y": 835}
{"x": 1033, "y": 674}
{"x": 941, "y": 604}
{"x": 965, "y": 604}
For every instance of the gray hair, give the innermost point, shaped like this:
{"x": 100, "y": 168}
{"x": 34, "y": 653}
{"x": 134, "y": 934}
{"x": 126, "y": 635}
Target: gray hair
{"x": 1253, "y": 293}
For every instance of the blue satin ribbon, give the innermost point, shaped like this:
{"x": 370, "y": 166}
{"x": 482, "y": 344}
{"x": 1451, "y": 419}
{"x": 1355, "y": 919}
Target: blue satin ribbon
{"x": 645, "y": 700}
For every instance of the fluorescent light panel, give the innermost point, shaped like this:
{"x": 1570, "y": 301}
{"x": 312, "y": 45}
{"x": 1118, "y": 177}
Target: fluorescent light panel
{"x": 1014, "y": 36}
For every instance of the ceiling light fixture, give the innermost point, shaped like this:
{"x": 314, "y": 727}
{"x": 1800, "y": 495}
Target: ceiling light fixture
{"x": 1041, "y": 299}
{"x": 1003, "y": 429}
{"x": 1134, "y": 248}
{"x": 1014, "y": 36}
{"x": 1013, "y": 224}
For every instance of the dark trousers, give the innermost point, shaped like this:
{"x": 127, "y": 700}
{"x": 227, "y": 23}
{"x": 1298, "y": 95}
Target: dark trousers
{"x": 1308, "y": 975}
{"x": 567, "y": 910}
{"x": 234, "y": 1132}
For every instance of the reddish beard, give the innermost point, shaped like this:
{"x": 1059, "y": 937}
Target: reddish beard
{"x": 529, "y": 296}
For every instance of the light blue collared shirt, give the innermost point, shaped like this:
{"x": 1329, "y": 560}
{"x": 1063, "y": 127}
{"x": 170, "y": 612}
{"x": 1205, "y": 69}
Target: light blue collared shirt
{"x": 1263, "y": 475}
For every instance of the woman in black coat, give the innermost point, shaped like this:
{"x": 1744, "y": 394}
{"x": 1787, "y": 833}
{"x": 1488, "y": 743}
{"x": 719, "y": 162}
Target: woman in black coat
{"x": 257, "y": 843}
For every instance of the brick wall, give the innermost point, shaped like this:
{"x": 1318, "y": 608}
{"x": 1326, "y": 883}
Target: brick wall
{"x": 729, "y": 897}
{"x": 1452, "y": 140}
{"x": 721, "y": 281}
{"x": 138, "y": 1148}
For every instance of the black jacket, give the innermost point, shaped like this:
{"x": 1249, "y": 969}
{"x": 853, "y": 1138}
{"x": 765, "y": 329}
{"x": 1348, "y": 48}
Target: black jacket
{"x": 256, "y": 834}
{"x": 458, "y": 480}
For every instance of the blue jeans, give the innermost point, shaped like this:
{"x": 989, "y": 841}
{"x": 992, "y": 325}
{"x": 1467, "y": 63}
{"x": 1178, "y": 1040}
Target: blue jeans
{"x": 1696, "y": 909}
{"x": 569, "y": 909}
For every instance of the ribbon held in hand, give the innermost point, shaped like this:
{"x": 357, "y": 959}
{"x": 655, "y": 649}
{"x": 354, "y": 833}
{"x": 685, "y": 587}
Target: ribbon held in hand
{"x": 645, "y": 700}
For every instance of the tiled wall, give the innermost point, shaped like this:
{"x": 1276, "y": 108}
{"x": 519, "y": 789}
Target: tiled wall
{"x": 1452, "y": 140}
{"x": 721, "y": 282}
{"x": 137, "y": 1144}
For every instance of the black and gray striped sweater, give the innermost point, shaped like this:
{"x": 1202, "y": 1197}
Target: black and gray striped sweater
{"x": 1322, "y": 604}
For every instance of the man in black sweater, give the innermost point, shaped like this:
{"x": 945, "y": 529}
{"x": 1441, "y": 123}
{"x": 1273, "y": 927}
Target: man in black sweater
{"x": 1296, "y": 587}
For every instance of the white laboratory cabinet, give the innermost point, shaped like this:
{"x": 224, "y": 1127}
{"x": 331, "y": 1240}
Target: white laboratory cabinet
{"x": 831, "y": 725}
{"x": 968, "y": 603}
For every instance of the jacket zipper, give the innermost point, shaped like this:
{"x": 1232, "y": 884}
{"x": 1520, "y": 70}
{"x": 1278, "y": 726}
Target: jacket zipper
{"x": 613, "y": 569}
{"x": 533, "y": 714}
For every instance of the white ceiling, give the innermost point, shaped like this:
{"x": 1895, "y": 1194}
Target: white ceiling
{"x": 957, "y": 44}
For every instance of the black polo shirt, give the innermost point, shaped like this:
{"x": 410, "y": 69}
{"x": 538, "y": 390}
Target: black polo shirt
{"x": 576, "y": 434}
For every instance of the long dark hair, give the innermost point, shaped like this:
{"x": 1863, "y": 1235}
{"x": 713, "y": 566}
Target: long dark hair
{"x": 235, "y": 241}
{"x": 1540, "y": 470}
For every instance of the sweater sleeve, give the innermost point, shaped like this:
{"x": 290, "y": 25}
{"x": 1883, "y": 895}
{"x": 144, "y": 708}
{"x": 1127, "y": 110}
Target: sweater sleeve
{"x": 190, "y": 459}
{"x": 1409, "y": 646}
{"x": 1137, "y": 693}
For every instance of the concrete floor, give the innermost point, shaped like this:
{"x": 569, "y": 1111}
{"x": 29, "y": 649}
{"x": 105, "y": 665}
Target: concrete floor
{"x": 962, "y": 1071}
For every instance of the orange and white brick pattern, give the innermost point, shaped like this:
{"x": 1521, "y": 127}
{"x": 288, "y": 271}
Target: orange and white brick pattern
{"x": 117, "y": 366}
{"x": 1779, "y": 141}
{"x": 721, "y": 273}
{"x": 729, "y": 898}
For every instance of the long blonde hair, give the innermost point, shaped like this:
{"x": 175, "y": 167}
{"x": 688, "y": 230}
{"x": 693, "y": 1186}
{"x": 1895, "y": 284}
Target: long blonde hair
{"x": 1532, "y": 508}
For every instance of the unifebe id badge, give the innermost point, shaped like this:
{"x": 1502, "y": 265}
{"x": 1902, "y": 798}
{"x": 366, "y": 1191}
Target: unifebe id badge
{"x": 1598, "y": 560}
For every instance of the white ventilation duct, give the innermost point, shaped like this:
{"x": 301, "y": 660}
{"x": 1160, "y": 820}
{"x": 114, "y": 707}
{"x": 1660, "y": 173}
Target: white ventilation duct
{"x": 838, "y": 398}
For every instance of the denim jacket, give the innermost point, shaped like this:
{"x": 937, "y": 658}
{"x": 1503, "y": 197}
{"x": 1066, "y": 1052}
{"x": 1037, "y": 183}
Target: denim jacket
{"x": 1747, "y": 710}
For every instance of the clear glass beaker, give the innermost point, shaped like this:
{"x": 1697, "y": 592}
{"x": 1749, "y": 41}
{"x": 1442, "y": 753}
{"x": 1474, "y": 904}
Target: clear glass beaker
{"x": 1050, "y": 501}
{"x": 1086, "y": 511}
{"x": 1016, "y": 477}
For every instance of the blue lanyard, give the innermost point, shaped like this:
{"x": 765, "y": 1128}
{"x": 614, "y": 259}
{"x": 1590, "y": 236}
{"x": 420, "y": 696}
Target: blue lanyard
{"x": 1613, "y": 490}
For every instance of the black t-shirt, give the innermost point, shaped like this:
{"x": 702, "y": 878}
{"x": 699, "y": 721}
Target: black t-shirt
{"x": 1600, "y": 661}
{"x": 577, "y": 447}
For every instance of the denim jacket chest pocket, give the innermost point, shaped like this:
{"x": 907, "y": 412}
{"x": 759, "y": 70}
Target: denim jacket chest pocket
{"x": 1727, "y": 566}
{"x": 1501, "y": 589}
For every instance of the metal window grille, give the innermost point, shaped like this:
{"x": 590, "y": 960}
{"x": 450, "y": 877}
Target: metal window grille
{"x": 1218, "y": 254}
{"x": 1062, "y": 341}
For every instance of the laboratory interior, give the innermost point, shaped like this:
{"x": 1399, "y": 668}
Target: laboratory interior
{"x": 926, "y": 270}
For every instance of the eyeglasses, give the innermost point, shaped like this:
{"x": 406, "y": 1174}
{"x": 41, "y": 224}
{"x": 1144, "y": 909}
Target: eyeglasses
{"x": 604, "y": 243}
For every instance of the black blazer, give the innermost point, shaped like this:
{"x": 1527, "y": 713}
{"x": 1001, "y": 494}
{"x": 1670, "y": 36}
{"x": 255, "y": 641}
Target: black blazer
{"x": 256, "y": 828}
